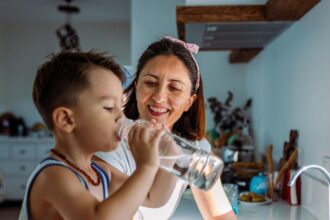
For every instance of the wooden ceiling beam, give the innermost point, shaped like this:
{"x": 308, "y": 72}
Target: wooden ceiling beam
{"x": 243, "y": 55}
{"x": 209, "y": 14}
{"x": 288, "y": 10}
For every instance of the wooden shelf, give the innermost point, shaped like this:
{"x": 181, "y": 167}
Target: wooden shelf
{"x": 245, "y": 30}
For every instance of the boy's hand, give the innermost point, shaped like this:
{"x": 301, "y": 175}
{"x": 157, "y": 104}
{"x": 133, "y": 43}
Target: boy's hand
{"x": 143, "y": 141}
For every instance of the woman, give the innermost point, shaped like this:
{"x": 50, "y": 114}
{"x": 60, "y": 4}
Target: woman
{"x": 168, "y": 88}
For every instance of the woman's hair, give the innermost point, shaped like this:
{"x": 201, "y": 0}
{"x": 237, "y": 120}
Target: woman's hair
{"x": 191, "y": 124}
{"x": 64, "y": 76}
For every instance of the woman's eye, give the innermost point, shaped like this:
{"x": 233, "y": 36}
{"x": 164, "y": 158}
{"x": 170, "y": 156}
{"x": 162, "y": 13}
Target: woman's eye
{"x": 150, "y": 83}
{"x": 174, "y": 88}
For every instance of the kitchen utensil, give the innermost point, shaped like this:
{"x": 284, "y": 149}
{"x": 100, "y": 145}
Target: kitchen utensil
{"x": 286, "y": 166}
{"x": 270, "y": 171}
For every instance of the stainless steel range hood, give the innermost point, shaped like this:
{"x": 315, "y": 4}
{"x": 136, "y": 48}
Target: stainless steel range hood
{"x": 244, "y": 29}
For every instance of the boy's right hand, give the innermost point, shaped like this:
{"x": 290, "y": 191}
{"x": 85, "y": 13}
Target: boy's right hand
{"x": 143, "y": 141}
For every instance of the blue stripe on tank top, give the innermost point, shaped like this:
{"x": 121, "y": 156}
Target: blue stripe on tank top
{"x": 105, "y": 179}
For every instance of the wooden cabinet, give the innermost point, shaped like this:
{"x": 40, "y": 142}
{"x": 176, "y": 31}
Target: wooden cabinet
{"x": 18, "y": 158}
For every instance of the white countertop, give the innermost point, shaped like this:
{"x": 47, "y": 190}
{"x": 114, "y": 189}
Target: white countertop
{"x": 278, "y": 210}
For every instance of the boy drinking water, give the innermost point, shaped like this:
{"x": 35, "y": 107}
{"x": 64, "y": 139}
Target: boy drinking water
{"x": 79, "y": 96}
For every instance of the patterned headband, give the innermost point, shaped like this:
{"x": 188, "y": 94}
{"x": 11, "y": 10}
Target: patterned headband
{"x": 193, "y": 49}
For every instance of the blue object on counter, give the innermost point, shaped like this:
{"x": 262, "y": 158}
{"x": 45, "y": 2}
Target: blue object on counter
{"x": 231, "y": 191}
{"x": 259, "y": 185}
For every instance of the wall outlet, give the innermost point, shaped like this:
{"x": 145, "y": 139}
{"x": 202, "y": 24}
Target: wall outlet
{"x": 326, "y": 163}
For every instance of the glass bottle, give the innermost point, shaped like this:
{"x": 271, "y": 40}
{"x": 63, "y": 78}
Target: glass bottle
{"x": 181, "y": 157}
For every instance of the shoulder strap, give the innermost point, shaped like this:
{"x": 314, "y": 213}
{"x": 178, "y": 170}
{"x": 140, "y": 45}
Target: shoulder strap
{"x": 49, "y": 161}
{"x": 104, "y": 178}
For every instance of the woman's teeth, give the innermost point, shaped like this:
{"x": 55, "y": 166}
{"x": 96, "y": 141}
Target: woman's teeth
{"x": 158, "y": 110}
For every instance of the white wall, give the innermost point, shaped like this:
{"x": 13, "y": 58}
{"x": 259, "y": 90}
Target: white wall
{"x": 114, "y": 38}
{"x": 24, "y": 47}
{"x": 289, "y": 83}
{"x": 2, "y": 71}
{"x": 219, "y": 77}
{"x": 151, "y": 19}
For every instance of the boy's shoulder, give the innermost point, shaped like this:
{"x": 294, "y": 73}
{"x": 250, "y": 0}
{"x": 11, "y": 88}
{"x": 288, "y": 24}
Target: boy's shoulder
{"x": 56, "y": 175}
{"x": 54, "y": 190}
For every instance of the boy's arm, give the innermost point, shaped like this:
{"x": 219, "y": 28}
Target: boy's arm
{"x": 164, "y": 183}
{"x": 59, "y": 188}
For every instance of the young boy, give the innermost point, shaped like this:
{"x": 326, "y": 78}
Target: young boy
{"x": 79, "y": 96}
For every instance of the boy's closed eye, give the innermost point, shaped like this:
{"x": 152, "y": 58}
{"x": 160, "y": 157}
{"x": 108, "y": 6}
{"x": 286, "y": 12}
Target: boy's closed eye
{"x": 109, "y": 109}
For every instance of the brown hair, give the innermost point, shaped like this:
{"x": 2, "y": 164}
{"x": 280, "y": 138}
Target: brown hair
{"x": 191, "y": 124}
{"x": 64, "y": 76}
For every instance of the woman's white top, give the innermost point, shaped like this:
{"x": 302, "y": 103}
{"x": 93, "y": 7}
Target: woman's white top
{"x": 123, "y": 160}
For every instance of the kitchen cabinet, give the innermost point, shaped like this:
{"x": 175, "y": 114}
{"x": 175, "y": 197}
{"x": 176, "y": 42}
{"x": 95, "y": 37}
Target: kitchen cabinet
{"x": 18, "y": 158}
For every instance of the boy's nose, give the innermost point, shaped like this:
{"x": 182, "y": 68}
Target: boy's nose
{"x": 120, "y": 113}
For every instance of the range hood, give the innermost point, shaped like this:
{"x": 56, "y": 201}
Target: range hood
{"x": 243, "y": 29}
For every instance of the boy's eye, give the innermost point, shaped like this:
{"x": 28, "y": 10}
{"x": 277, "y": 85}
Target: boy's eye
{"x": 110, "y": 109}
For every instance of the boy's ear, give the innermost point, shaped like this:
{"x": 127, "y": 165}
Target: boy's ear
{"x": 63, "y": 119}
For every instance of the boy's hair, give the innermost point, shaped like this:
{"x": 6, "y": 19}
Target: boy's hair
{"x": 64, "y": 76}
{"x": 191, "y": 124}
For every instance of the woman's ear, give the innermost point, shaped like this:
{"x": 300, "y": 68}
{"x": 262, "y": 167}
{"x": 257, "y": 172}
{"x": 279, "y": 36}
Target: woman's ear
{"x": 63, "y": 119}
{"x": 190, "y": 102}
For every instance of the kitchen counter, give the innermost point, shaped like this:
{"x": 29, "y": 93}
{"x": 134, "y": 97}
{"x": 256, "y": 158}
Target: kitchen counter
{"x": 279, "y": 210}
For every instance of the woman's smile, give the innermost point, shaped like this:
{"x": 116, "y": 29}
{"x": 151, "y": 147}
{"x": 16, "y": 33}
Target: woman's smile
{"x": 157, "y": 110}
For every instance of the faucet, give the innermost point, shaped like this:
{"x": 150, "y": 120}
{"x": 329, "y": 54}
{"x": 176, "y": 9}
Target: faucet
{"x": 303, "y": 169}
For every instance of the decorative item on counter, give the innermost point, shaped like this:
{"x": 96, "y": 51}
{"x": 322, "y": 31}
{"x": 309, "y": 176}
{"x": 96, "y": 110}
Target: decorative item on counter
{"x": 231, "y": 191}
{"x": 251, "y": 197}
{"x": 243, "y": 172}
{"x": 270, "y": 171}
{"x": 6, "y": 119}
{"x": 232, "y": 129}
{"x": 40, "y": 130}
{"x": 258, "y": 184}
{"x": 285, "y": 168}
{"x": 289, "y": 147}
{"x": 291, "y": 194}
{"x": 10, "y": 125}
{"x": 287, "y": 165}
{"x": 247, "y": 169}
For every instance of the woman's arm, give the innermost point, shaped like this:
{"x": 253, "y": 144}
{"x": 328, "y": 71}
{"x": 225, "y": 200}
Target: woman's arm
{"x": 213, "y": 204}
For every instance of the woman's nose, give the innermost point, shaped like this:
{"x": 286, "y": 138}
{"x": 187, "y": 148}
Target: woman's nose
{"x": 159, "y": 94}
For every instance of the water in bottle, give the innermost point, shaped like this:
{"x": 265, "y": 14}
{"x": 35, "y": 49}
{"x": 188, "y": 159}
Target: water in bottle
{"x": 182, "y": 158}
